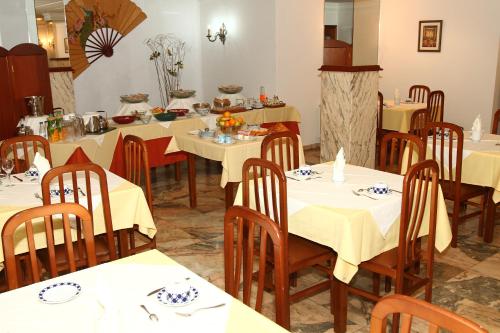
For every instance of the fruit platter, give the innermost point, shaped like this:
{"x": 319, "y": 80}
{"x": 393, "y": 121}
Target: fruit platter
{"x": 229, "y": 124}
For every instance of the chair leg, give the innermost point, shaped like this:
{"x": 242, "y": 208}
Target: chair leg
{"x": 388, "y": 282}
{"x": 480, "y": 226}
{"x": 376, "y": 283}
{"x": 293, "y": 279}
{"x": 454, "y": 224}
{"x": 177, "y": 167}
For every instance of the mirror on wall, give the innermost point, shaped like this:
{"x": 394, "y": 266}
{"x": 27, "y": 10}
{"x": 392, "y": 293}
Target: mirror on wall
{"x": 51, "y": 31}
{"x": 351, "y": 32}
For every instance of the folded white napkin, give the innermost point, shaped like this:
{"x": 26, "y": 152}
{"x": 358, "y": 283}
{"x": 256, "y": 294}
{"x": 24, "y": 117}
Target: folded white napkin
{"x": 42, "y": 165}
{"x": 476, "y": 129}
{"x": 339, "y": 166}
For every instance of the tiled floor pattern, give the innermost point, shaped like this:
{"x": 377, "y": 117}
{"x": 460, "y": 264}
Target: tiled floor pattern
{"x": 467, "y": 279}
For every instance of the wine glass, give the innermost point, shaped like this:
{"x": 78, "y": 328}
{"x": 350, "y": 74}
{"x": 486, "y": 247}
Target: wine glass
{"x": 7, "y": 166}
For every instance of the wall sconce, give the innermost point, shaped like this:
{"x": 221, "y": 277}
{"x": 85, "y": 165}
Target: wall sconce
{"x": 221, "y": 34}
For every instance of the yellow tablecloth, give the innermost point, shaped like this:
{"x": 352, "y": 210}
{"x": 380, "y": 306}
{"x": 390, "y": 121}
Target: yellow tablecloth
{"x": 351, "y": 232}
{"x": 127, "y": 201}
{"x": 110, "y": 297}
{"x": 100, "y": 148}
{"x": 398, "y": 117}
{"x": 232, "y": 156}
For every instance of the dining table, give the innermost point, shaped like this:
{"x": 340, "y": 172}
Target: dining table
{"x": 110, "y": 298}
{"x": 350, "y": 219}
{"x": 128, "y": 206}
{"x": 232, "y": 156}
{"x": 481, "y": 166}
{"x": 398, "y": 117}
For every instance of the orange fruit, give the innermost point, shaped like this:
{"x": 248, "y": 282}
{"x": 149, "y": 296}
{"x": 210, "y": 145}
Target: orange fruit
{"x": 227, "y": 124}
{"x": 232, "y": 122}
{"x": 227, "y": 114}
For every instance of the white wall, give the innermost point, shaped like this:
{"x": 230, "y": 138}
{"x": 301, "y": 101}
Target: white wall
{"x": 466, "y": 67}
{"x": 247, "y": 58}
{"x": 60, "y": 33}
{"x": 17, "y": 23}
{"x": 365, "y": 39}
{"x": 129, "y": 70}
{"x": 299, "y": 55}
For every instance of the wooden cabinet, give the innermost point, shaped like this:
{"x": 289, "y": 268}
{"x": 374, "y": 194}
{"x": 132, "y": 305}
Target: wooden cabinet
{"x": 24, "y": 72}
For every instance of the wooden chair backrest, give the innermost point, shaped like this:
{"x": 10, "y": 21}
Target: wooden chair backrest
{"x": 30, "y": 144}
{"x": 264, "y": 189}
{"x": 281, "y": 148}
{"x": 396, "y": 144}
{"x": 242, "y": 227}
{"x": 419, "y": 204}
{"x": 380, "y": 110}
{"x": 447, "y": 153}
{"x": 28, "y": 218}
{"x": 71, "y": 173}
{"x": 410, "y": 308}
{"x": 419, "y": 93}
{"x": 419, "y": 119}
{"x": 435, "y": 105}
{"x": 496, "y": 122}
{"x": 137, "y": 165}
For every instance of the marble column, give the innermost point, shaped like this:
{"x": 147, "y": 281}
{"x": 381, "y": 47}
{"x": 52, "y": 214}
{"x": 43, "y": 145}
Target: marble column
{"x": 349, "y": 113}
{"x": 63, "y": 94}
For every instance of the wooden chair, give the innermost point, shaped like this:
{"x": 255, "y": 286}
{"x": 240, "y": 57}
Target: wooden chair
{"x": 27, "y": 219}
{"x": 418, "y": 211}
{"x": 78, "y": 178}
{"x": 272, "y": 201}
{"x": 380, "y": 131}
{"x": 419, "y": 119}
{"x": 419, "y": 93}
{"x": 241, "y": 225}
{"x": 409, "y": 308}
{"x": 435, "y": 105}
{"x": 137, "y": 171}
{"x": 281, "y": 148}
{"x": 450, "y": 167}
{"x": 496, "y": 121}
{"x": 30, "y": 145}
{"x": 392, "y": 150}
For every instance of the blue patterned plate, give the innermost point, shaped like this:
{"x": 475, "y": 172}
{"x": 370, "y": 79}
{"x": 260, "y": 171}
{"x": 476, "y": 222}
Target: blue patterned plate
{"x": 180, "y": 300}
{"x": 59, "y": 292}
{"x": 373, "y": 190}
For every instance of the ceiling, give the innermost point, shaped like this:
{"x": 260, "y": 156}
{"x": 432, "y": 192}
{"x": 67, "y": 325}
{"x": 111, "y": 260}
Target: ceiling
{"x": 51, "y": 10}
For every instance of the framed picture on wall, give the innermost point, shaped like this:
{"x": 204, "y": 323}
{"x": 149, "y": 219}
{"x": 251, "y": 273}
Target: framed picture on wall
{"x": 429, "y": 36}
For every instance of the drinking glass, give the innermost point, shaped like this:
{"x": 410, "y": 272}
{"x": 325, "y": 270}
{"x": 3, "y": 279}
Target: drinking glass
{"x": 7, "y": 166}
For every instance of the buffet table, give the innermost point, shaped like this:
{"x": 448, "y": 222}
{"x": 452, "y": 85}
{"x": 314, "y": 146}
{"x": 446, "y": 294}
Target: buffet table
{"x": 232, "y": 157}
{"x": 110, "y": 299}
{"x": 106, "y": 149}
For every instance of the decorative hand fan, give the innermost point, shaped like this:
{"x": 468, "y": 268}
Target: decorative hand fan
{"x": 96, "y": 26}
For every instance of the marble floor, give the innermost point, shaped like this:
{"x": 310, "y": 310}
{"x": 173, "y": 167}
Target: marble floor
{"x": 467, "y": 279}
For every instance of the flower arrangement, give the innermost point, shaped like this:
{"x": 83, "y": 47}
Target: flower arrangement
{"x": 168, "y": 54}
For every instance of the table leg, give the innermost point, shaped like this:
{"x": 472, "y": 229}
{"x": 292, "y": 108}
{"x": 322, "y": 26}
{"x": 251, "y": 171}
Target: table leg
{"x": 123, "y": 243}
{"x": 229, "y": 194}
{"x": 490, "y": 217}
{"x": 339, "y": 306}
{"x": 192, "y": 180}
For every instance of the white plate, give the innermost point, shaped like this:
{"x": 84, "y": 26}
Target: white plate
{"x": 59, "y": 292}
{"x": 193, "y": 295}
{"x": 225, "y": 144}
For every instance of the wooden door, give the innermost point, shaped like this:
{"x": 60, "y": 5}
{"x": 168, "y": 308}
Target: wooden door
{"x": 8, "y": 117}
{"x": 337, "y": 53}
{"x": 29, "y": 76}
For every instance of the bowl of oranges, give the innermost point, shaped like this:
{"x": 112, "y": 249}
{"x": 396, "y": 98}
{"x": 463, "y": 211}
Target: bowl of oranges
{"x": 229, "y": 124}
